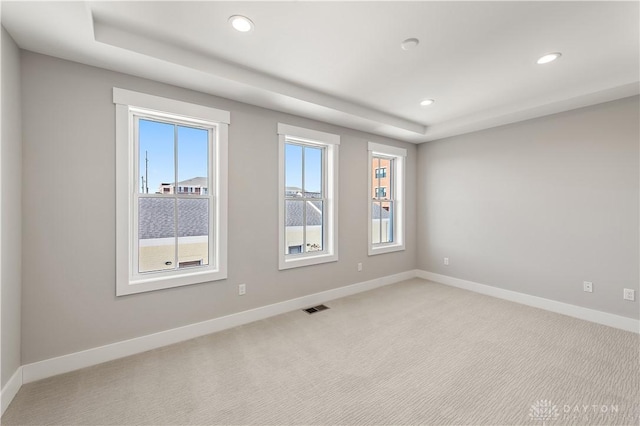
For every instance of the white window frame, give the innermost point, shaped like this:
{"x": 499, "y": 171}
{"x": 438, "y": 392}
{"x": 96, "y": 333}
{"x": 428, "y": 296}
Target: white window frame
{"x": 331, "y": 144}
{"x": 397, "y": 180}
{"x": 128, "y": 105}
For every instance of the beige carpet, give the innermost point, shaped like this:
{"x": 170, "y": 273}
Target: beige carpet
{"x": 410, "y": 353}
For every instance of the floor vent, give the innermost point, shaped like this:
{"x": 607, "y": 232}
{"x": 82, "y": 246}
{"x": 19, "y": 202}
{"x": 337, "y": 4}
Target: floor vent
{"x": 316, "y": 309}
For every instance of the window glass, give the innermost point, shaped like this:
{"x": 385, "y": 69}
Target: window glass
{"x": 293, "y": 170}
{"x": 304, "y": 194}
{"x": 160, "y": 248}
{"x": 156, "y": 155}
{"x": 315, "y": 225}
{"x": 382, "y": 222}
{"x": 294, "y": 231}
{"x": 156, "y": 234}
{"x": 193, "y": 231}
{"x": 312, "y": 172}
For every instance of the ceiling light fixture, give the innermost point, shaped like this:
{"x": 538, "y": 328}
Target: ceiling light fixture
{"x": 409, "y": 43}
{"x": 241, "y": 23}
{"x": 549, "y": 57}
{"x": 427, "y": 102}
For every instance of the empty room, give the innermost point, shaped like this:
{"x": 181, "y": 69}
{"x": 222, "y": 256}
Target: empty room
{"x": 320, "y": 213}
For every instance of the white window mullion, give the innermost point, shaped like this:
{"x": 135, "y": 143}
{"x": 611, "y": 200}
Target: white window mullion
{"x": 176, "y": 262}
{"x": 134, "y": 195}
{"x": 213, "y": 202}
{"x": 304, "y": 205}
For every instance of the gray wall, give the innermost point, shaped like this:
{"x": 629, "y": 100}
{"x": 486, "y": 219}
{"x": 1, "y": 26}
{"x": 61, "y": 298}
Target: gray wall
{"x": 69, "y": 301}
{"x": 538, "y": 207}
{"x": 10, "y": 191}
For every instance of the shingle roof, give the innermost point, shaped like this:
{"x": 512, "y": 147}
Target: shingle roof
{"x": 378, "y": 213}
{"x": 156, "y": 218}
{"x": 293, "y": 213}
{"x": 294, "y": 216}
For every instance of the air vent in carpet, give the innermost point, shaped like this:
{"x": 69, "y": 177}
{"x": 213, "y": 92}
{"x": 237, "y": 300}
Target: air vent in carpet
{"x": 316, "y": 309}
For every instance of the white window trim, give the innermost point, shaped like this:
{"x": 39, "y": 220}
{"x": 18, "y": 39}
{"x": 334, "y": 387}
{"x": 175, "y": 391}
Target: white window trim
{"x": 398, "y": 180}
{"x": 331, "y": 143}
{"x": 127, "y": 281}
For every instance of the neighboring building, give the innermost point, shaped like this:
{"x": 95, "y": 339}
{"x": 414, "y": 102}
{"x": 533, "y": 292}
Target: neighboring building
{"x": 294, "y": 191}
{"x": 381, "y": 178}
{"x": 196, "y": 185}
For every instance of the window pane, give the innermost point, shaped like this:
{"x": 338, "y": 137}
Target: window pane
{"x": 314, "y": 227}
{"x": 193, "y": 232}
{"x": 384, "y": 179}
{"x": 375, "y": 222}
{"x": 313, "y": 172}
{"x": 193, "y": 160}
{"x": 156, "y": 155}
{"x": 386, "y": 222}
{"x": 293, "y": 170}
{"x": 294, "y": 239}
{"x": 156, "y": 234}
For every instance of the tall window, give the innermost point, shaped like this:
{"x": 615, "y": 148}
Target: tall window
{"x": 308, "y": 196}
{"x": 386, "y": 192}
{"x": 168, "y": 233}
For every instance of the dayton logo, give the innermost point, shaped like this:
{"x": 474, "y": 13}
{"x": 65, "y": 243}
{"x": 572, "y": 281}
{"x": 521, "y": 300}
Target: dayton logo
{"x": 543, "y": 411}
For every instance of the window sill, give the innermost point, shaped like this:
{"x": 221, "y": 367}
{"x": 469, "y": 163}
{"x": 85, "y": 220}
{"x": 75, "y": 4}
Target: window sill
{"x": 306, "y": 261}
{"x": 162, "y": 282}
{"x": 385, "y": 249}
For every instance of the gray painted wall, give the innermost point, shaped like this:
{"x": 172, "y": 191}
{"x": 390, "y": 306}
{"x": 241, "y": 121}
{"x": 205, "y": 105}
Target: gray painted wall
{"x": 69, "y": 301}
{"x": 11, "y": 223}
{"x": 539, "y": 206}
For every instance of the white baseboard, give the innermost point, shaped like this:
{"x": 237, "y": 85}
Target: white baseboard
{"x": 10, "y": 389}
{"x": 75, "y": 361}
{"x": 604, "y": 318}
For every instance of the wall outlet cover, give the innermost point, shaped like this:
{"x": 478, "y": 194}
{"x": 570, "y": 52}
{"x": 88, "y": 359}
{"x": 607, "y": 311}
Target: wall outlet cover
{"x": 629, "y": 294}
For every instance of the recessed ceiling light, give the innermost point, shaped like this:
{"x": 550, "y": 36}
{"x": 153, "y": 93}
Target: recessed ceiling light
{"x": 241, "y": 23}
{"x": 427, "y": 102}
{"x": 409, "y": 43}
{"x": 549, "y": 57}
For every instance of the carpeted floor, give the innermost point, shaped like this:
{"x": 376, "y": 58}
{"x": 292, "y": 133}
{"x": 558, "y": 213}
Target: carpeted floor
{"x": 410, "y": 353}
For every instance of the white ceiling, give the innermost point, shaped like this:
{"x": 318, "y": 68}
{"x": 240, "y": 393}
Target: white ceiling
{"x": 341, "y": 62}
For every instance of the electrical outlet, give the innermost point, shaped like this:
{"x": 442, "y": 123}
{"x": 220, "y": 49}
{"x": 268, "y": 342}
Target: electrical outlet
{"x": 360, "y": 267}
{"x": 446, "y": 260}
{"x": 629, "y": 294}
{"x": 587, "y": 286}
{"x": 242, "y": 289}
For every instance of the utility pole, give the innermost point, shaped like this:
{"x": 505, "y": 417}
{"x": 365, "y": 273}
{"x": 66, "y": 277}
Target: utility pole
{"x": 146, "y": 171}
{"x": 142, "y": 185}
